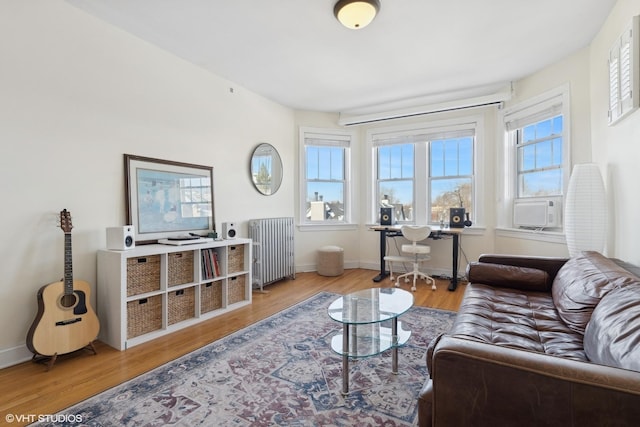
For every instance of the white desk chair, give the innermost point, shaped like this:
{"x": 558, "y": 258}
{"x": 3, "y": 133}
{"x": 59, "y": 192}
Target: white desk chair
{"x": 420, "y": 253}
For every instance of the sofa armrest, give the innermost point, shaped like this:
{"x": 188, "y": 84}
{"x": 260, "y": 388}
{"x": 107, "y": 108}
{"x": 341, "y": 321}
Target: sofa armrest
{"x": 475, "y": 383}
{"x": 549, "y": 264}
{"x": 509, "y": 276}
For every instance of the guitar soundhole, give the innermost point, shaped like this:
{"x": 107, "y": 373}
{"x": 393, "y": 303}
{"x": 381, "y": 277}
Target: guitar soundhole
{"x": 68, "y": 301}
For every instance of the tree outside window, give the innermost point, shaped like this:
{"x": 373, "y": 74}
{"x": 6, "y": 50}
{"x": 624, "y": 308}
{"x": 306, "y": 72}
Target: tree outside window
{"x": 451, "y": 176}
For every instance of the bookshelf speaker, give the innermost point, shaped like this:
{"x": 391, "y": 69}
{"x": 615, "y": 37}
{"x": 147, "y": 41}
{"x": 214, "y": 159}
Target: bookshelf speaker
{"x": 456, "y": 217}
{"x": 229, "y": 230}
{"x": 385, "y": 216}
{"x": 121, "y": 238}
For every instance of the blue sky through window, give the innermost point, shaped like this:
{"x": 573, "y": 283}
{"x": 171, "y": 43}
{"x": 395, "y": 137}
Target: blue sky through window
{"x": 451, "y": 157}
{"x": 540, "y": 158}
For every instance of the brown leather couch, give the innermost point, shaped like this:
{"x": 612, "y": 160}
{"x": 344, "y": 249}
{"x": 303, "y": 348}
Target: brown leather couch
{"x": 539, "y": 342}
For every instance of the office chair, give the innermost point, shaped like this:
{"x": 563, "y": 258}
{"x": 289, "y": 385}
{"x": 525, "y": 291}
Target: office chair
{"x": 416, "y": 233}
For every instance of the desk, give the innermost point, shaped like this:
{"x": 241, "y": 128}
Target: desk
{"x": 394, "y": 230}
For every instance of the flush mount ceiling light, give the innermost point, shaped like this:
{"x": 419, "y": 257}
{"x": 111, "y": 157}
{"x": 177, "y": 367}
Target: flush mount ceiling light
{"x": 356, "y": 14}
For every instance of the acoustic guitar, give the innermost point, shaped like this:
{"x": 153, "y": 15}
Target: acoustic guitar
{"x": 65, "y": 321}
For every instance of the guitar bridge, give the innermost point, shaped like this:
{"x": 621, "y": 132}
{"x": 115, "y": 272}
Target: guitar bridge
{"x": 69, "y": 322}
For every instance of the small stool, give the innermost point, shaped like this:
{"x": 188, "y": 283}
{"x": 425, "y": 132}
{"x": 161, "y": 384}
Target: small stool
{"x": 330, "y": 261}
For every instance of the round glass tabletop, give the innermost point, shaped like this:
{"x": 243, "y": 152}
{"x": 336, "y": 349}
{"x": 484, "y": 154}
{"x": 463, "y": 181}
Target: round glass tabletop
{"x": 370, "y": 306}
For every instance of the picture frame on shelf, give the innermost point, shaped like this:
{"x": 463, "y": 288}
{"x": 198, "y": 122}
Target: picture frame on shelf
{"x": 167, "y": 199}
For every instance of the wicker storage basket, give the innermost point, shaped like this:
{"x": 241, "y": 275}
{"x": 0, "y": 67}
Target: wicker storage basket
{"x": 236, "y": 289}
{"x": 181, "y": 305}
{"x": 235, "y": 260}
{"x": 180, "y": 268}
{"x": 143, "y": 275}
{"x": 210, "y": 296}
{"x": 144, "y": 316}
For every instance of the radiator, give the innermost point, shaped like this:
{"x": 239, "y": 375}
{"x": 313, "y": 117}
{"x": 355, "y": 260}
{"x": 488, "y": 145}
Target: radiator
{"x": 273, "y": 256}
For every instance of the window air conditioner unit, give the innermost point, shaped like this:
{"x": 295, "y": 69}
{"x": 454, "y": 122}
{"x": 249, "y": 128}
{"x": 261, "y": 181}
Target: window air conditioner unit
{"x": 536, "y": 213}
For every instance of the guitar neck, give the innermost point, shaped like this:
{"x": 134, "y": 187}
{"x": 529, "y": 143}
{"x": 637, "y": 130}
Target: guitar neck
{"x": 68, "y": 265}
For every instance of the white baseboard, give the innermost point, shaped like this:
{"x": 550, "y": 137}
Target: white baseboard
{"x": 439, "y": 272}
{"x": 13, "y": 356}
{"x": 309, "y": 268}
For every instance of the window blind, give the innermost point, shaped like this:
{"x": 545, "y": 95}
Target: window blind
{"x": 422, "y": 135}
{"x": 535, "y": 113}
{"x": 330, "y": 140}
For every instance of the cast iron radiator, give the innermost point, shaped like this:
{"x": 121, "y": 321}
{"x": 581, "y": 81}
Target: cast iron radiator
{"x": 273, "y": 257}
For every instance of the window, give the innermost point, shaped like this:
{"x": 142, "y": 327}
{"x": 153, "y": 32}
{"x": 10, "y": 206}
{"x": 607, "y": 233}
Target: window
{"x": 396, "y": 178}
{"x": 537, "y": 167}
{"x": 451, "y": 176}
{"x": 539, "y": 158}
{"x": 422, "y": 173}
{"x": 325, "y": 176}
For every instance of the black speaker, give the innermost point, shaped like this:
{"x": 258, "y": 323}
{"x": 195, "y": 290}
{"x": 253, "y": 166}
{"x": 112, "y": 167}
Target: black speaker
{"x": 456, "y": 217}
{"x": 386, "y": 217}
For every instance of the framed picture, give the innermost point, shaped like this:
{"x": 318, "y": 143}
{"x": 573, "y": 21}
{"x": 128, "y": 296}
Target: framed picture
{"x": 168, "y": 199}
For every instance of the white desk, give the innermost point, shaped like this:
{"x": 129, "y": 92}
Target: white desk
{"x": 394, "y": 230}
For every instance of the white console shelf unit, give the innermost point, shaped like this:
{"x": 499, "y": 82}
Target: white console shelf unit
{"x": 153, "y": 290}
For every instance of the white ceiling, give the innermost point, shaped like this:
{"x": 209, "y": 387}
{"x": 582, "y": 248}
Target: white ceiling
{"x": 297, "y": 54}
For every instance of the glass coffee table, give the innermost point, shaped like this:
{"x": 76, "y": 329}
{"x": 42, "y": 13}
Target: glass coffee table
{"x": 369, "y": 325}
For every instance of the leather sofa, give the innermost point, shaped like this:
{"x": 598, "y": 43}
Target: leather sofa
{"x": 539, "y": 342}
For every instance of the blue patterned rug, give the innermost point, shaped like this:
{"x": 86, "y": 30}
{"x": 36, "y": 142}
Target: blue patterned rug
{"x": 280, "y": 371}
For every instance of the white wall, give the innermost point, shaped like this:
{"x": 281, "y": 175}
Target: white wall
{"x": 76, "y": 95}
{"x": 616, "y": 148}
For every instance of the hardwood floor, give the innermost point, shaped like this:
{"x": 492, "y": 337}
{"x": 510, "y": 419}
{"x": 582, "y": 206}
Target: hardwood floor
{"x": 29, "y": 390}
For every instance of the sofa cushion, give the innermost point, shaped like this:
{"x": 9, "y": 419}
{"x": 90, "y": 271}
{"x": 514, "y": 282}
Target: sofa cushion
{"x": 582, "y": 282}
{"x": 612, "y": 336}
{"x": 508, "y": 276}
{"x": 515, "y": 318}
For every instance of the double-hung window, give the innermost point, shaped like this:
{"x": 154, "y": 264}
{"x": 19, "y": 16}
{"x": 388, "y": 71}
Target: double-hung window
{"x": 396, "y": 179}
{"x": 421, "y": 173}
{"x": 539, "y": 157}
{"x": 451, "y": 175}
{"x": 537, "y": 170}
{"x": 325, "y": 177}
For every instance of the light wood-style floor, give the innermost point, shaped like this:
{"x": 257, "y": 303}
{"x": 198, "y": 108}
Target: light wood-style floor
{"x": 28, "y": 389}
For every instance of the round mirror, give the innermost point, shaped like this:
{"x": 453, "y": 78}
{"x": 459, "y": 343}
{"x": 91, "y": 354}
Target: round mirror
{"x": 266, "y": 169}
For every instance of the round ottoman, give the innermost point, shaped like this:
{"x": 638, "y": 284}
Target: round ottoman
{"x": 330, "y": 261}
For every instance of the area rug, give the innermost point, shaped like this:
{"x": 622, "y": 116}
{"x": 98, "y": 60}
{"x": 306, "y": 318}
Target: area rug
{"x": 279, "y": 371}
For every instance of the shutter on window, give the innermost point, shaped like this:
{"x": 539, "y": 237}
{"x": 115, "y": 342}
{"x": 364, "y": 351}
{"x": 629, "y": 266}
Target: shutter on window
{"x": 623, "y": 73}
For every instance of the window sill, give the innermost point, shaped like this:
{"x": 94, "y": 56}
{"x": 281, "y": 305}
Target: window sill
{"x": 539, "y": 235}
{"x": 327, "y": 227}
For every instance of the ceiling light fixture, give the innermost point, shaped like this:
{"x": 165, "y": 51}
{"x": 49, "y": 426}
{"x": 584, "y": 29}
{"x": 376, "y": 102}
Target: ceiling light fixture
{"x": 356, "y": 14}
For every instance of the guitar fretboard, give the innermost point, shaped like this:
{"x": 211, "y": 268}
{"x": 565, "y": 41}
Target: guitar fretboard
{"x": 68, "y": 265}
